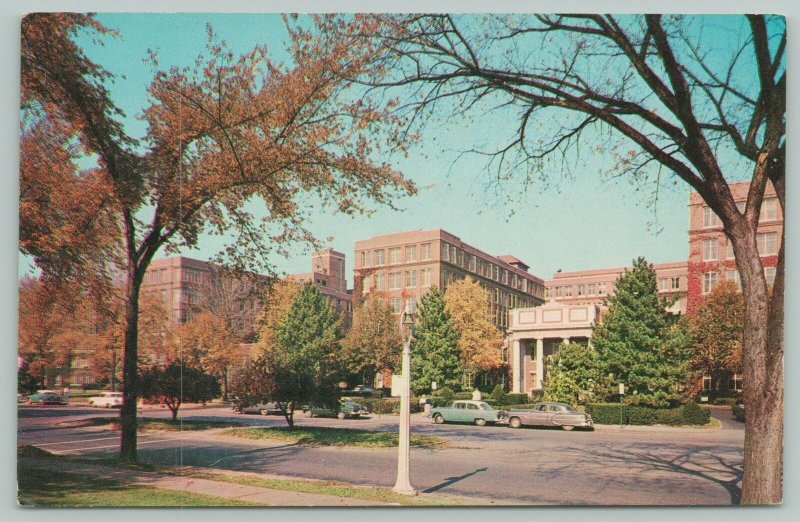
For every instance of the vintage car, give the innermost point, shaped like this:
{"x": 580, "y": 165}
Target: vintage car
{"x": 270, "y": 408}
{"x": 45, "y": 397}
{"x": 478, "y": 412}
{"x": 348, "y": 408}
{"x": 557, "y": 414}
{"x": 107, "y": 400}
{"x": 738, "y": 411}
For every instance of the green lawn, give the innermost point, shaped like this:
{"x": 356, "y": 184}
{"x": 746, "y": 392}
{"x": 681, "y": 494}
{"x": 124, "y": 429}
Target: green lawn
{"x": 38, "y": 487}
{"x": 333, "y": 436}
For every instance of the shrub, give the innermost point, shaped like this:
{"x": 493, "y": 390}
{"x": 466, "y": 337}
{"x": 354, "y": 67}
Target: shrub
{"x": 515, "y": 398}
{"x": 726, "y": 401}
{"x": 444, "y": 393}
{"x": 462, "y": 396}
{"x": 615, "y": 413}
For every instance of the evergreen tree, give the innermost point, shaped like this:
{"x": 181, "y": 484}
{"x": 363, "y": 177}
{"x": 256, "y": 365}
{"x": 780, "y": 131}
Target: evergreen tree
{"x": 637, "y": 343}
{"x": 303, "y": 362}
{"x": 572, "y": 374}
{"x": 435, "y": 355}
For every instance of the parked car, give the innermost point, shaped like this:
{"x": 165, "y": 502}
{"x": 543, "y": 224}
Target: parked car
{"x": 45, "y": 397}
{"x": 348, "y": 408}
{"x": 107, "y": 400}
{"x": 367, "y": 391}
{"x": 738, "y": 412}
{"x": 550, "y": 414}
{"x": 270, "y": 408}
{"x": 478, "y": 412}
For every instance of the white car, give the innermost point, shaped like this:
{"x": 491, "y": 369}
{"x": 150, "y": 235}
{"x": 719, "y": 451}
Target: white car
{"x": 107, "y": 400}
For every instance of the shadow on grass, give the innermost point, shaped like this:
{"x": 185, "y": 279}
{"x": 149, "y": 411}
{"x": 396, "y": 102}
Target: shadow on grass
{"x": 49, "y": 487}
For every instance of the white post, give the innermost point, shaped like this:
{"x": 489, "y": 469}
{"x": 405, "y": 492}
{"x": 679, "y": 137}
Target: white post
{"x": 403, "y": 484}
{"x": 516, "y": 385}
{"x": 539, "y": 364}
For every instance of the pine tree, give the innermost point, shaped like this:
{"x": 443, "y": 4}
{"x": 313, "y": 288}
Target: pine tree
{"x": 434, "y": 350}
{"x": 637, "y": 343}
{"x": 303, "y": 363}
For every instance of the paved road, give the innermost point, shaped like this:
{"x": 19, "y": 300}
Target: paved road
{"x": 528, "y": 466}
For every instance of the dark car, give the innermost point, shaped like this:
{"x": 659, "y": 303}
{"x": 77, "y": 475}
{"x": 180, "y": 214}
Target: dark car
{"x": 270, "y": 408}
{"x": 347, "y": 409}
{"x": 555, "y": 414}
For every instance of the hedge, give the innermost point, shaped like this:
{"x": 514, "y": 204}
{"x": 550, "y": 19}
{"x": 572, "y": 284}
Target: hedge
{"x": 615, "y": 413}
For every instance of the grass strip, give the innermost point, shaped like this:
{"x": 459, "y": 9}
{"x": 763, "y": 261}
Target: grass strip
{"x": 332, "y": 437}
{"x": 47, "y": 487}
{"x": 331, "y": 487}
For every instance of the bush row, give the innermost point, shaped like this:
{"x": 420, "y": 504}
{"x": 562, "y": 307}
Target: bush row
{"x": 614, "y": 413}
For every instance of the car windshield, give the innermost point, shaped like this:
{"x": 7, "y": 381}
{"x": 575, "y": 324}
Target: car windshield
{"x": 485, "y": 406}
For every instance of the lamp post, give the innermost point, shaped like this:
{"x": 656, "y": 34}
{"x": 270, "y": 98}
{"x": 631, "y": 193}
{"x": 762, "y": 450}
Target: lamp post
{"x": 403, "y": 484}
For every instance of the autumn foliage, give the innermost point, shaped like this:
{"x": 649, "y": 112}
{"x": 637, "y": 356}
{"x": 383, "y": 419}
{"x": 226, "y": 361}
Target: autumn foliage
{"x": 479, "y": 341}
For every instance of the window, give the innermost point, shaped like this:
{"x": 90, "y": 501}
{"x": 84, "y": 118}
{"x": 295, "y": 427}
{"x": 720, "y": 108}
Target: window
{"x": 602, "y": 289}
{"x": 663, "y": 284}
{"x": 767, "y": 243}
{"x": 740, "y": 206}
{"x": 365, "y": 258}
{"x": 411, "y": 304}
{"x": 394, "y": 255}
{"x": 504, "y": 276}
{"x": 592, "y": 288}
{"x": 366, "y": 284}
{"x": 736, "y": 382}
{"x": 769, "y": 210}
{"x": 473, "y": 263}
{"x": 445, "y": 252}
{"x": 581, "y": 290}
{"x": 558, "y": 291}
{"x": 394, "y": 280}
{"x": 425, "y": 251}
{"x": 729, "y": 250}
{"x": 397, "y": 304}
{"x": 411, "y": 279}
{"x": 676, "y": 283}
{"x": 568, "y": 291}
{"x": 380, "y": 257}
{"x": 733, "y": 275}
{"x": 411, "y": 253}
{"x": 453, "y": 254}
{"x": 468, "y": 381}
{"x": 709, "y": 281}
{"x": 710, "y": 219}
{"x": 706, "y": 383}
{"x": 769, "y": 274}
{"x": 425, "y": 274}
{"x": 460, "y": 258}
{"x": 380, "y": 282}
{"x": 710, "y": 249}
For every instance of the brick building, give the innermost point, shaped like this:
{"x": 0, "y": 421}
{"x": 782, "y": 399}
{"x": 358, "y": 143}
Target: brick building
{"x": 328, "y": 273}
{"x": 401, "y": 267}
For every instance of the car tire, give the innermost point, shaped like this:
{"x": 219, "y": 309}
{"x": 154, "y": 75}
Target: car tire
{"x": 567, "y": 427}
{"x": 480, "y": 422}
{"x": 514, "y": 422}
{"x": 264, "y": 412}
{"x": 108, "y": 406}
{"x": 341, "y": 415}
{"x": 438, "y": 419}
{"x": 308, "y": 414}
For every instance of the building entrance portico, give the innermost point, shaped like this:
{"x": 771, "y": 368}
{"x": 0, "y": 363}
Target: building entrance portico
{"x": 535, "y": 333}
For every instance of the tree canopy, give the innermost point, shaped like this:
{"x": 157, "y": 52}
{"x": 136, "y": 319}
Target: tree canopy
{"x": 373, "y": 341}
{"x": 479, "y": 341}
{"x": 434, "y": 349}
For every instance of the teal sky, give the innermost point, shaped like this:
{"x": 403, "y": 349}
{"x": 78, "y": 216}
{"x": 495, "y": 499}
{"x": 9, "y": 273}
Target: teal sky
{"x": 581, "y": 222}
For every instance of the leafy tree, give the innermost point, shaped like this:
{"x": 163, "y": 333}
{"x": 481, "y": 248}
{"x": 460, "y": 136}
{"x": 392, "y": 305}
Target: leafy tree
{"x": 303, "y": 364}
{"x": 673, "y": 103}
{"x": 572, "y": 374}
{"x": 373, "y": 342}
{"x": 207, "y": 342}
{"x": 221, "y": 135}
{"x": 177, "y": 383}
{"x": 636, "y": 343}
{"x": 253, "y": 384}
{"x": 717, "y": 330}
{"x": 434, "y": 350}
{"x": 279, "y": 298}
{"x": 479, "y": 341}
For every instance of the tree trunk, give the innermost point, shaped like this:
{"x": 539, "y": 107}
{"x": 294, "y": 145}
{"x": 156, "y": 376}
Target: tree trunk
{"x": 763, "y": 373}
{"x": 128, "y": 442}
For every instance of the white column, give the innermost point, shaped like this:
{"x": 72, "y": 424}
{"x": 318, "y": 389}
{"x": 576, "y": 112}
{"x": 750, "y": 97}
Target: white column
{"x": 516, "y": 366}
{"x": 539, "y": 364}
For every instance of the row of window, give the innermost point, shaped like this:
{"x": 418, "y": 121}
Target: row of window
{"x": 156, "y": 275}
{"x": 767, "y": 243}
{"x": 710, "y": 278}
{"x": 396, "y": 280}
{"x": 589, "y": 289}
{"x": 392, "y": 255}
{"x": 769, "y": 212}
{"x": 487, "y": 269}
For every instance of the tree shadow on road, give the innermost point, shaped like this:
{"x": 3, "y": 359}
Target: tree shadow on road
{"x": 702, "y": 463}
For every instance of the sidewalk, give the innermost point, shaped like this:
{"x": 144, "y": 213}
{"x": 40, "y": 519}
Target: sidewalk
{"x": 255, "y": 494}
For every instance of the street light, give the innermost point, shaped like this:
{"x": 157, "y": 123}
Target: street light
{"x": 403, "y": 484}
